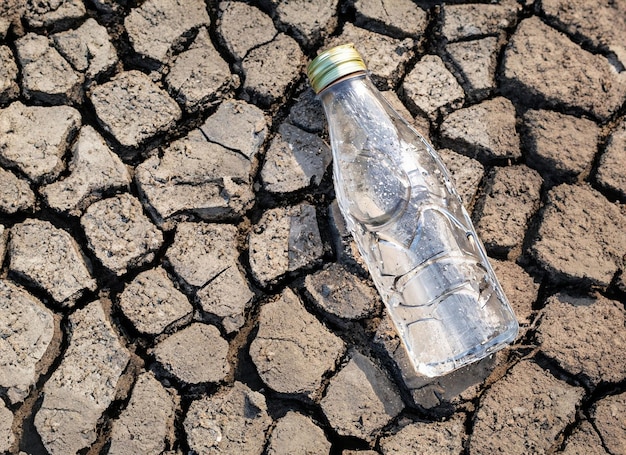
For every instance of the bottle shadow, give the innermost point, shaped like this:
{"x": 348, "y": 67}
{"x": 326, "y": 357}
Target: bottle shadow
{"x": 441, "y": 392}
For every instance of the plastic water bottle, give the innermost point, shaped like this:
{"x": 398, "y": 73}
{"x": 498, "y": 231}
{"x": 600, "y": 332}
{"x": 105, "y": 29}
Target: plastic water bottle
{"x": 409, "y": 224}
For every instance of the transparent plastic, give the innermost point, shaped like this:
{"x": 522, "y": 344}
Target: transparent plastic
{"x": 413, "y": 232}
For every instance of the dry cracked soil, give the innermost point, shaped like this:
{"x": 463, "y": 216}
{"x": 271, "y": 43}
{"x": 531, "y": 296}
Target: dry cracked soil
{"x": 176, "y": 278}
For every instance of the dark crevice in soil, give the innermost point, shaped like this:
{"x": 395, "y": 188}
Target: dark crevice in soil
{"x": 244, "y": 369}
{"x": 560, "y": 373}
{"x": 603, "y": 143}
{"x": 28, "y": 438}
{"x": 179, "y": 427}
{"x": 615, "y": 291}
{"x": 30, "y": 441}
{"x": 124, "y": 388}
{"x": 580, "y": 38}
{"x": 585, "y": 412}
{"x": 601, "y": 392}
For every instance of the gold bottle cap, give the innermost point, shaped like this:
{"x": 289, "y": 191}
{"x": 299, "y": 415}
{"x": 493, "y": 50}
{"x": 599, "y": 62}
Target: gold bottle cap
{"x": 333, "y": 64}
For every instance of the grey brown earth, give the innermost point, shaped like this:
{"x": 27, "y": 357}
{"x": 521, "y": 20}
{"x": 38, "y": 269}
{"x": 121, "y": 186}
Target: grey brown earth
{"x": 176, "y": 278}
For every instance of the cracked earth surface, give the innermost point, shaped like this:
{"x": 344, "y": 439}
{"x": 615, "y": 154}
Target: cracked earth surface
{"x": 176, "y": 277}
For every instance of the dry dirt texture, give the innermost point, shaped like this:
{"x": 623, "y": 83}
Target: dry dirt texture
{"x": 175, "y": 276}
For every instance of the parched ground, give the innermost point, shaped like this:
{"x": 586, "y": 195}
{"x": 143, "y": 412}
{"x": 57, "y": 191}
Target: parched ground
{"x": 176, "y": 277}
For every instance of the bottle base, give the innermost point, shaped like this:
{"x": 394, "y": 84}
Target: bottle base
{"x": 477, "y": 353}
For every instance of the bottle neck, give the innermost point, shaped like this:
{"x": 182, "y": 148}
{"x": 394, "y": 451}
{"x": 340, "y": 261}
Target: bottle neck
{"x": 353, "y": 102}
{"x": 353, "y": 91}
{"x": 358, "y": 74}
